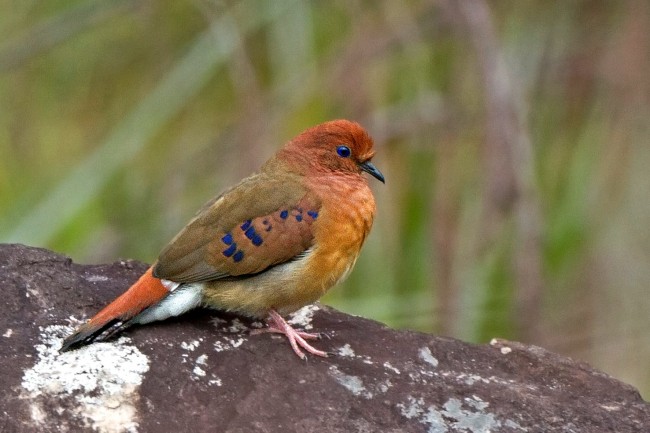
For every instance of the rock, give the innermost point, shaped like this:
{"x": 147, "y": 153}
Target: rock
{"x": 203, "y": 372}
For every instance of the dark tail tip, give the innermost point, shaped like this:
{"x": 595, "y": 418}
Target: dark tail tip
{"x": 75, "y": 341}
{"x": 89, "y": 333}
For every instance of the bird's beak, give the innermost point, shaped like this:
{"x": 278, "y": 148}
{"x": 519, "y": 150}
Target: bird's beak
{"x": 369, "y": 168}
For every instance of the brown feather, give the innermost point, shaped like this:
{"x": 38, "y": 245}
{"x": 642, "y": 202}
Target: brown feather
{"x": 196, "y": 254}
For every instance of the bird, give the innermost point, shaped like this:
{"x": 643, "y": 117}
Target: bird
{"x": 264, "y": 248}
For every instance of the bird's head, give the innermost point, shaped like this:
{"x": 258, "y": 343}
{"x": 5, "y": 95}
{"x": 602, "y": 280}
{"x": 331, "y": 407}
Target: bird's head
{"x": 336, "y": 147}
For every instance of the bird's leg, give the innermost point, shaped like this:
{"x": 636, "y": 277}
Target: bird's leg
{"x": 297, "y": 339}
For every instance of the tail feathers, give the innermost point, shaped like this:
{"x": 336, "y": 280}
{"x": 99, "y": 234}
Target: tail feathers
{"x": 147, "y": 291}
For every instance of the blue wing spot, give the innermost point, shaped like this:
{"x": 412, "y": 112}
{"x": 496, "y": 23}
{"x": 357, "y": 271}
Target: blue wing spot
{"x": 230, "y": 250}
{"x": 312, "y": 213}
{"x": 250, "y": 233}
{"x": 239, "y": 255}
{"x": 246, "y": 225}
{"x": 227, "y": 239}
{"x": 253, "y": 236}
{"x": 284, "y": 214}
{"x": 299, "y": 217}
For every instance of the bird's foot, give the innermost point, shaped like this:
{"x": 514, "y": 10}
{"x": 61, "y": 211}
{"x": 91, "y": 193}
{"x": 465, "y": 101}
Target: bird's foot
{"x": 273, "y": 330}
{"x": 297, "y": 339}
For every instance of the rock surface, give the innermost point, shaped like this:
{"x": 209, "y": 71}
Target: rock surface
{"x": 203, "y": 372}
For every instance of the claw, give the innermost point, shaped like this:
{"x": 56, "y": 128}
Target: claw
{"x": 297, "y": 339}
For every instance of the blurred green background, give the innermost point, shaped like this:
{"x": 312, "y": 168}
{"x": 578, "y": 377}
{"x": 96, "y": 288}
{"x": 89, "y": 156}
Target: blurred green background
{"x": 513, "y": 136}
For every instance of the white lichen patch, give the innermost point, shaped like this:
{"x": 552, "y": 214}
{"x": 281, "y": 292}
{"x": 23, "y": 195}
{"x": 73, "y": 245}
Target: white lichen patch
{"x": 346, "y": 351}
{"x": 8, "y": 333}
{"x": 191, "y": 345}
{"x": 384, "y": 386}
{"x": 220, "y": 346}
{"x": 234, "y": 326}
{"x": 237, "y": 327}
{"x": 199, "y": 373}
{"x": 412, "y": 408}
{"x": 454, "y": 417}
{"x": 503, "y": 349}
{"x": 428, "y": 416}
{"x": 218, "y": 322}
{"x": 198, "y": 369}
{"x": 476, "y": 402}
{"x": 303, "y": 317}
{"x": 477, "y": 421}
{"x": 354, "y": 384}
{"x": 236, "y": 343}
{"x": 102, "y": 378}
{"x": 388, "y": 366}
{"x": 30, "y": 291}
{"x": 228, "y": 344}
{"x": 514, "y": 425}
{"x": 216, "y": 381}
{"x": 425, "y": 355}
{"x": 96, "y": 278}
{"x": 422, "y": 376}
{"x": 471, "y": 379}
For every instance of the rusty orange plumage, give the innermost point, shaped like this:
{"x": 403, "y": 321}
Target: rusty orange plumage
{"x": 273, "y": 243}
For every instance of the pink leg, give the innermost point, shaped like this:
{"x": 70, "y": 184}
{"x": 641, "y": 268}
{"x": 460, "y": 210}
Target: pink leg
{"x": 296, "y": 338}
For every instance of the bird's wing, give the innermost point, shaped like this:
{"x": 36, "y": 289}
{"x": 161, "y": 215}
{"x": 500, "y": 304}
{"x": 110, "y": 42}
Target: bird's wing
{"x": 258, "y": 224}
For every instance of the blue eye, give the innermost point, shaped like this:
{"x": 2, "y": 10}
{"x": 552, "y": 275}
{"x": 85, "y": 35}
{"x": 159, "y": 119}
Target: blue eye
{"x": 343, "y": 151}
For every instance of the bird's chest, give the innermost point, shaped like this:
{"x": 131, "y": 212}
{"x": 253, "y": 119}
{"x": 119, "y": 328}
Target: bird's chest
{"x": 342, "y": 228}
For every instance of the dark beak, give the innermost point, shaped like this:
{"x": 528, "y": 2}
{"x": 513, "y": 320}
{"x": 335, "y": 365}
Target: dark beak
{"x": 369, "y": 168}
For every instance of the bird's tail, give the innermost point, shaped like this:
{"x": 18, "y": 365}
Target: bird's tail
{"x": 147, "y": 291}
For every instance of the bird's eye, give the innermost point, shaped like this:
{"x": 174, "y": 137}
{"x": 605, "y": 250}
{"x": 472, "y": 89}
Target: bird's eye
{"x": 343, "y": 151}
